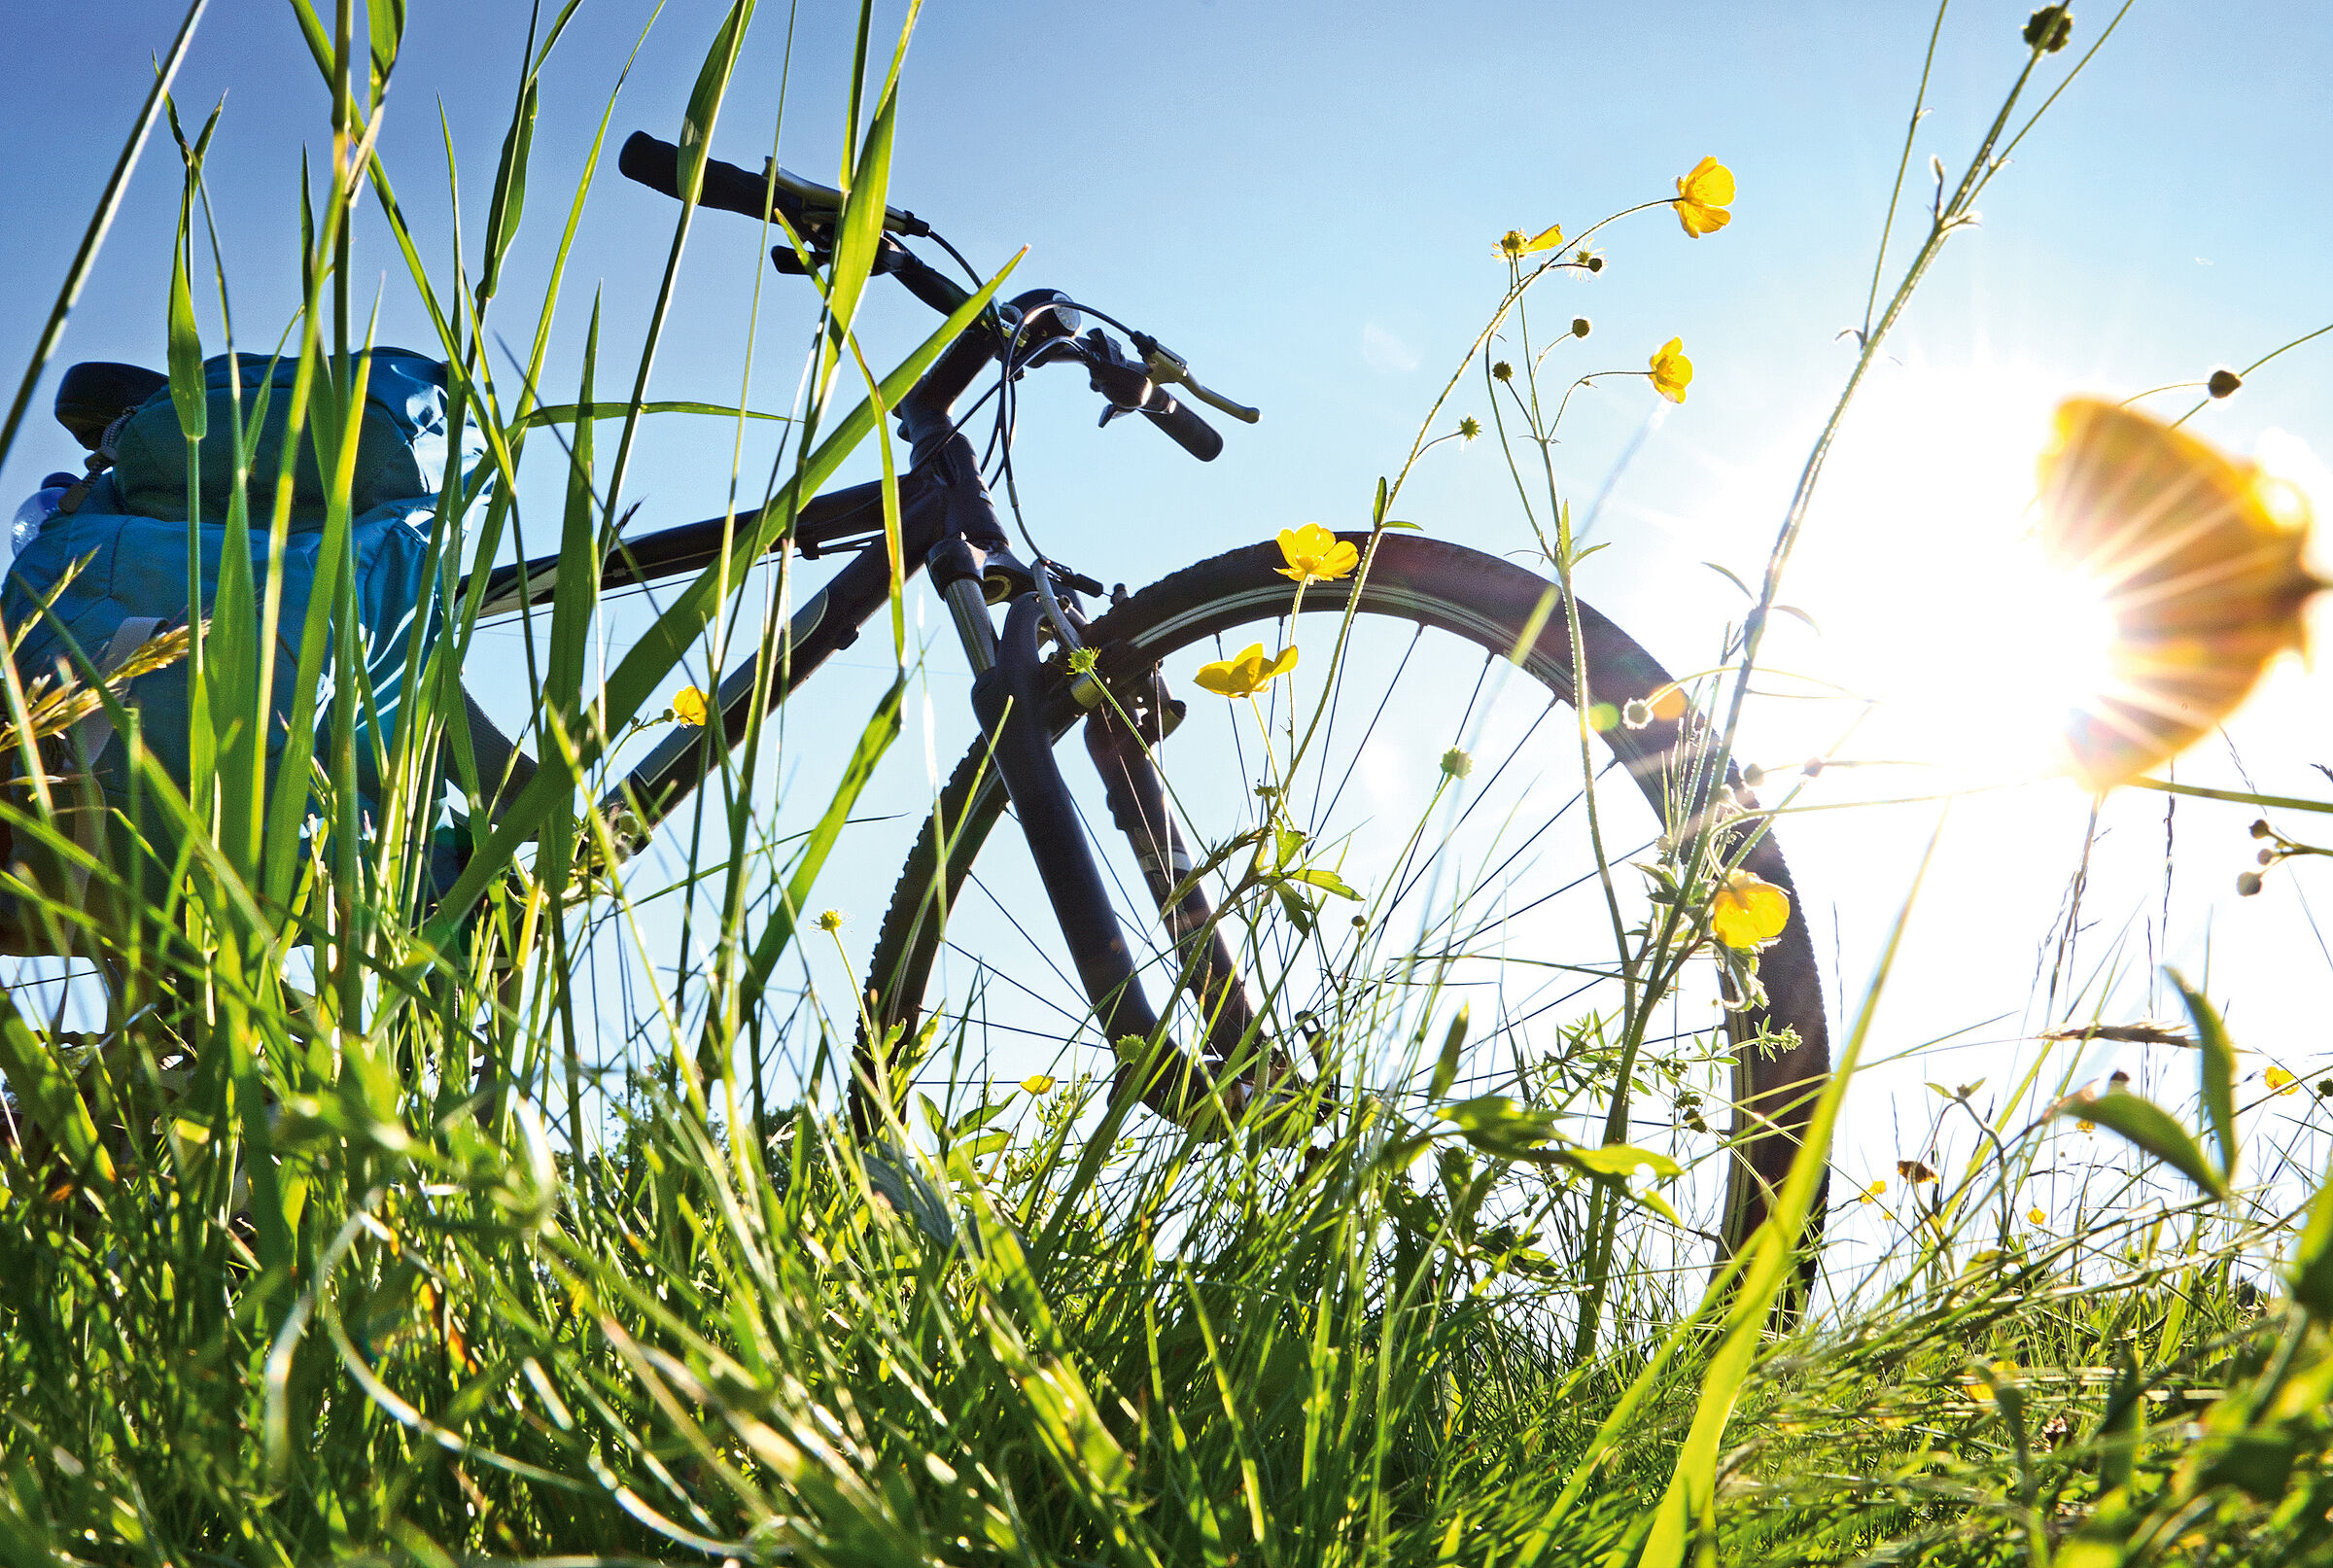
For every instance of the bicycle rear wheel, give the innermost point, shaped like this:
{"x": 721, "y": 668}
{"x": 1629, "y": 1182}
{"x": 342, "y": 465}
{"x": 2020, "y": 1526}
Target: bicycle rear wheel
{"x": 1478, "y": 879}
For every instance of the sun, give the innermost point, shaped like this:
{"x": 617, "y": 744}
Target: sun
{"x": 1937, "y": 607}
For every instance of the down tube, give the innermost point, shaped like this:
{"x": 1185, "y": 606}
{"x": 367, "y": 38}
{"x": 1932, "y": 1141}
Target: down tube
{"x": 827, "y": 622}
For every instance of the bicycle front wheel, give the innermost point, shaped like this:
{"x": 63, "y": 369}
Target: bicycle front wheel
{"x": 1470, "y": 847}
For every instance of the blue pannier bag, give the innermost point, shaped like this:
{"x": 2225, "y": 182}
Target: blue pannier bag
{"x": 118, "y": 548}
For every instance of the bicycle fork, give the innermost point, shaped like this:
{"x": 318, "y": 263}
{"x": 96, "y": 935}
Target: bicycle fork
{"x": 1008, "y": 697}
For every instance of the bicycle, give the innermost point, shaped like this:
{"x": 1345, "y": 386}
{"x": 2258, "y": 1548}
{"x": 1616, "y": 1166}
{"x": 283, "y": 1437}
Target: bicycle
{"x": 1052, "y": 667}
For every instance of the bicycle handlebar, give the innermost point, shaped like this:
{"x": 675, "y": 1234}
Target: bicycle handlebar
{"x": 656, "y": 164}
{"x": 1131, "y": 385}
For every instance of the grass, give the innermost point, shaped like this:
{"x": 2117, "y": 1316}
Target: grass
{"x": 331, "y": 1244}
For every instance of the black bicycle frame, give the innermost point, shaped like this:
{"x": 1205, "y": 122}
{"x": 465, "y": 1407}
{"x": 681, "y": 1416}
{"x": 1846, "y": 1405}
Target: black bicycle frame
{"x": 943, "y": 502}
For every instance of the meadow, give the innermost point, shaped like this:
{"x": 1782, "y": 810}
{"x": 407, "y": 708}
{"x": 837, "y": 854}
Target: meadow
{"x": 388, "y": 1183}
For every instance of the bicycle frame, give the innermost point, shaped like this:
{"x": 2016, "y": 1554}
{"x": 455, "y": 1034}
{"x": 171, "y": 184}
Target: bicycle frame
{"x": 948, "y": 522}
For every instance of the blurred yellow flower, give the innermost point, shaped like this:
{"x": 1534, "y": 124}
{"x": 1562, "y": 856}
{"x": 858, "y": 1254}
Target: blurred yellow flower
{"x": 1672, "y": 371}
{"x": 1248, "y": 674}
{"x": 2085, "y": 1126}
{"x": 1703, "y": 197}
{"x": 1871, "y": 1193}
{"x": 1513, "y": 244}
{"x": 2036, "y": 1216}
{"x": 1315, "y": 555}
{"x": 1749, "y": 911}
{"x": 2195, "y": 559}
{"x": 1038, "y": 1083}
{"x": 2281, "y": 1081}
{"x": 691, "y": 706}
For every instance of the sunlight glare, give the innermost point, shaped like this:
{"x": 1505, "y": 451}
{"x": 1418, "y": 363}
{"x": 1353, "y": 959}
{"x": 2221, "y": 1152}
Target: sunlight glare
{"x": 1935, "y": 604}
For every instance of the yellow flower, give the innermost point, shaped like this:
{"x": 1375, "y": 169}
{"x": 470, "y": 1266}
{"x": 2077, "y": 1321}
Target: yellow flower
{"x": 1871, "y": 1193}
{"x": 2196, "y": 560}
{"x": 1315, "y": 555}
{"x": 2085, "y": 1126}
{"x": 1513, "y": 244}
{"x": 2036, "y": 1216}
{"x": 1672, "y": 371}
{"x": 1749, "y": 913}
{"x": 1703, "y": 197}
{"x": 1248, "y": 674}
{"x": 691, "y": 706}
{"x": 831, "y": 920}
{"x": 2281, "y": 1081}
{"x": 1038, "y": 1083}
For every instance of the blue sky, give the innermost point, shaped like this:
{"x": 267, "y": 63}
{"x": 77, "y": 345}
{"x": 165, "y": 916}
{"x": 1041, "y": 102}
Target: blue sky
{"x": 1302, "y": 198}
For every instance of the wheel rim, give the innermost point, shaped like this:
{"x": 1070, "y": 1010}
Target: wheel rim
{"x": 1532, "y": 1038}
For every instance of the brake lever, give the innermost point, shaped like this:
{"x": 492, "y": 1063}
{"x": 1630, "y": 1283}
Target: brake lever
{"x": 1125, "y": 383}
{"x": 1169, "y": 369}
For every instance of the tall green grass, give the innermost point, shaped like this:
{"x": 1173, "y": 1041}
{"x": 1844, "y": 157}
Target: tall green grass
{"x": 331, "y": 1244}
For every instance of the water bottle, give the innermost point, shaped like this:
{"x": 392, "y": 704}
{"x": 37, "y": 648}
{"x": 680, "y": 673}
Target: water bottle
{"x": 37, "y": 509}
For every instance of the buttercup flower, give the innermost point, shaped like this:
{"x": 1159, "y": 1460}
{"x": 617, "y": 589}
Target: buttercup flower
{"x": 2281, "y": 1081}
{"x": 2036, "y": 1216}
{"x": 1749, "y": 911}
{"x": 1672, "y": 371}
{"x": 1871, "y": 1193}
{"x": 1315, "y": 555}
{"x": 691, "y": 706}
{"x": 1038, "y": 1083}
{"x": 1703, "y": 197}
{"x": 1513, "y": 244}
{"x": 2197, "y": 560}
{"x": 1248, "y": 674}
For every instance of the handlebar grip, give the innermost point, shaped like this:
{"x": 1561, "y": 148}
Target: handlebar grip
{"x": 656, "y": 164}
{"x": 1190, "y": 432}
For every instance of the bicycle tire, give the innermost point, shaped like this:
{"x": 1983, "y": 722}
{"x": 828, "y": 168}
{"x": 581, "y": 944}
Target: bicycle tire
{"x": 1481, "y": 600}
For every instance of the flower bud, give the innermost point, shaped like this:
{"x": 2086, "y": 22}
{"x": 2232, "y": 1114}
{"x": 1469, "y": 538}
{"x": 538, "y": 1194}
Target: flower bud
{"x": 2247, "y": 884}
{"x": 1469, "y": 428}
{"x": 1595, "y": 263}
{"x": 2261, "y": 830}
{"x": 1457, "y": 763}
{"x": 1753, "y": 776}
{"x": 2048, "y": 28}
{"x": 1580, "y": 326}
{"x": 2268, "y": 857}
{"x": 1812, "y": 767}
{"x": 2223, "y": 383}
{"x": 1502, "y": 371}
{"x": 1636, "y": 713}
